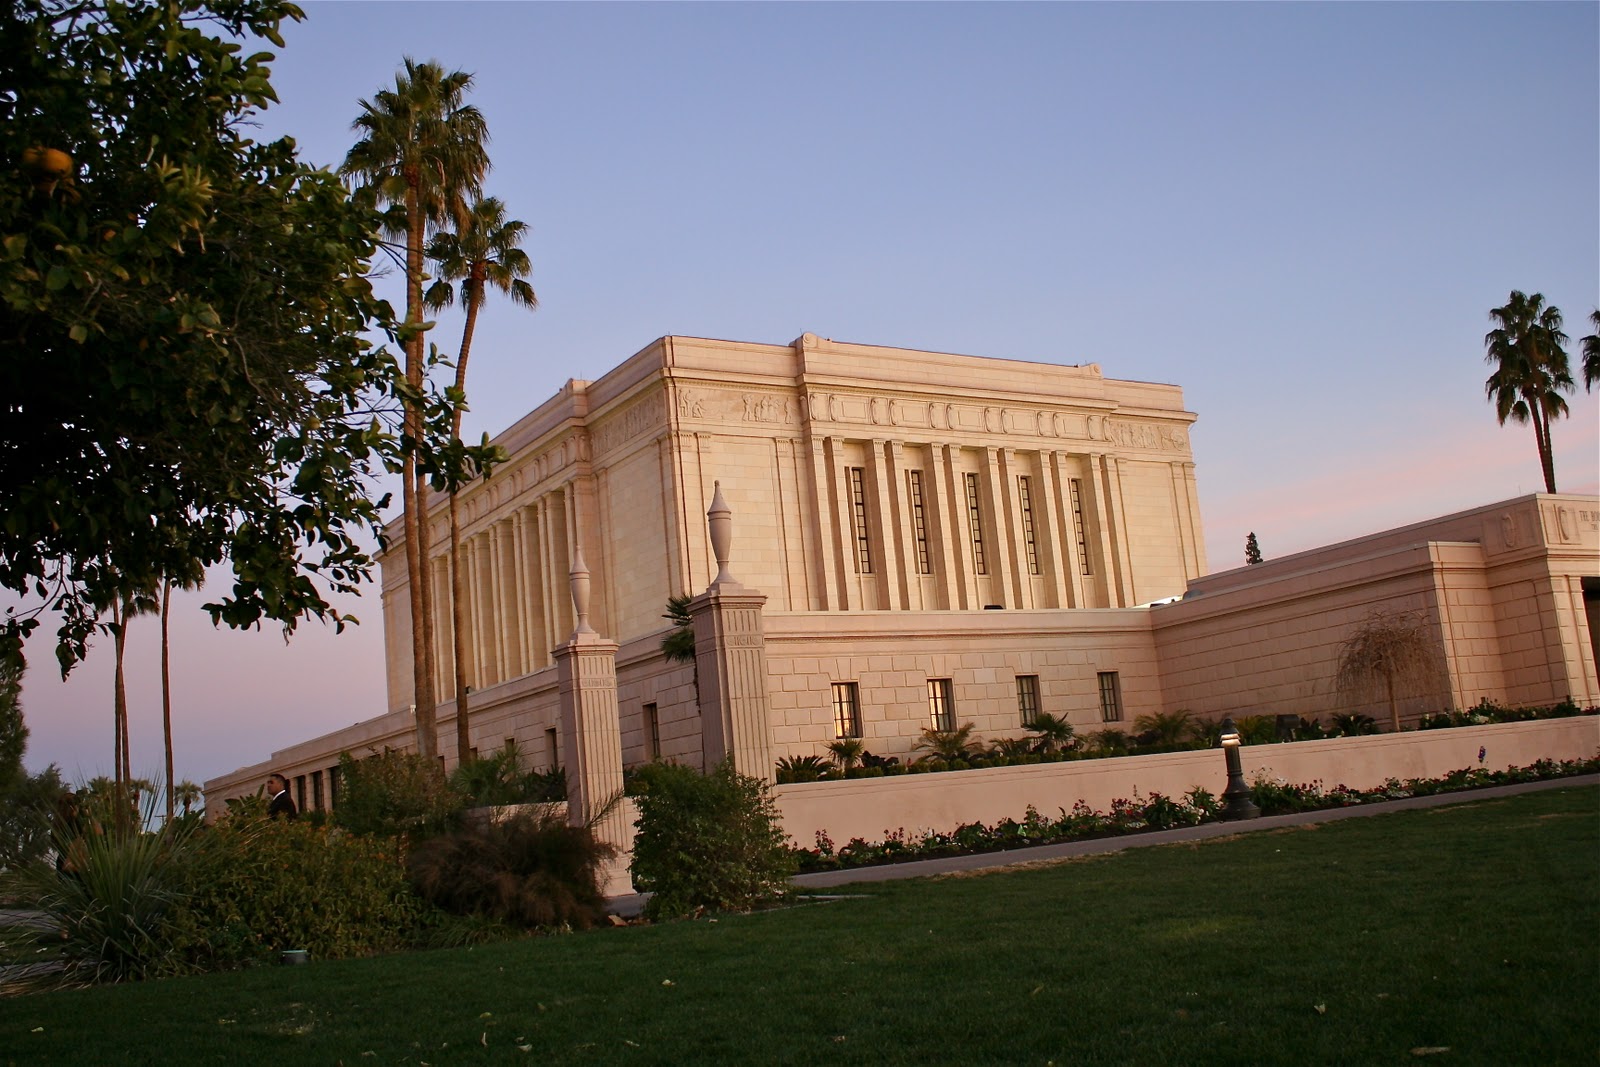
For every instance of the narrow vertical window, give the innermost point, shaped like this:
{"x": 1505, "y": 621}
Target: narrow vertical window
{"x": 333, "y": 787}
{"x": 652, "y": 732}
{"x": 300, "y": 792}
{"x": 919, "y": 521}
{"x": 941, "y": 704}
{"x": 858, "y": 515}
{"x": 1110, "y": 697}
{"x": 975, "y": 520}
{"x": 1025, "y": 498}
{"x": 1028, "y": 697}
{"x": 846, "y": 710}
{"x": 552, "y": 745}
{"x": 1077, "y": 526}
{"x": 316, "y": 791}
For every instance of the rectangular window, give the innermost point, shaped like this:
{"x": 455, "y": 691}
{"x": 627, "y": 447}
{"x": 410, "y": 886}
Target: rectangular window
{"x": 300, "y": 792}
{"x": 919, "y": 521}
{"x": 858, "y": 515}
{"x": 941, "y": 704}
{"x": 1110, "y": 697}
{"x": 1025, "y": 498}
{"x": 316, "y": 790}
{"x": 652, "y": 732}
{"x": 1028, "y": 697}
{"x": 846, "y": 710}
{"x": 333, "y": 788}
{"x": 1077, "y": 525}
{"x": 975, "y": 521}
{"x": 552, "y": 746}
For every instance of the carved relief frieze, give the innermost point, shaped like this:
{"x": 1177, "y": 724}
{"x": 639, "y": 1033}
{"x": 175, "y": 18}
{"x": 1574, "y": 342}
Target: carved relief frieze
{"x": 1128, "y": 434}
{"x": 636, "y": 419}
{"x": 727, "y": 405}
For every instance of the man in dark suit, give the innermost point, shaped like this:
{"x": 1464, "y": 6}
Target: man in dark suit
{"x": 281, "y": 806}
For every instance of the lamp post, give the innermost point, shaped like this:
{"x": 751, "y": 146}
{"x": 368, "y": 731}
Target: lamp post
{"x": 1236, "y": 802}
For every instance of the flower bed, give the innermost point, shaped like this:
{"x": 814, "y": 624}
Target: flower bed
{"x": 1155, "y": 812}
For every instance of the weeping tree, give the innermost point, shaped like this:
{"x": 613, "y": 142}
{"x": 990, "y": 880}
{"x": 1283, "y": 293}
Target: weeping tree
{"x": 1390, "y": 653}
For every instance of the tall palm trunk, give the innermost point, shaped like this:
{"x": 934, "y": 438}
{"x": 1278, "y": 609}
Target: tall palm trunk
{"x": 412, "y": 500}
{"x": 122, "y": 773}
{"x": 166, "y": 689}
{"x": 1547, "y": 460}
{"x": 458, "y": 594}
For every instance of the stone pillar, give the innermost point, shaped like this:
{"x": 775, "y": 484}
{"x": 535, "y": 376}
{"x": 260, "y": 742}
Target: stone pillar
{"x": 731, "y": 656}
{"x": 591, "y": 734}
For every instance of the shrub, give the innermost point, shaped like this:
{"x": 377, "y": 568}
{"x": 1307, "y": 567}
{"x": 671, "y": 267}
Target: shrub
{"x": 253, "y": 887}
{"x": 1164, "y": 731}
{"x": 1351, "y": 724}
{"x": 707, "y": 841}
{"x": 950, "y": 745}
{"x": 801, "y": 769}
{"x": 1257, "y": 729}
{"x": 532, "y": 870}
{"x": 392, "y": 793}
{"x": 499, "y": 779}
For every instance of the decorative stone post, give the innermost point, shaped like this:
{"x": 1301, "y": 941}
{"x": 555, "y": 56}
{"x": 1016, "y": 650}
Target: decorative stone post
{"x": 731, "y": 656}
{"x": 591, "y": 736}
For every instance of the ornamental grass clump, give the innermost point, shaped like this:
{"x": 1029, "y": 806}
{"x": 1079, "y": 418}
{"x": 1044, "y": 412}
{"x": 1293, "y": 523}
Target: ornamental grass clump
{"x": 532, "y": 870}
{"x": 707, "y": 841}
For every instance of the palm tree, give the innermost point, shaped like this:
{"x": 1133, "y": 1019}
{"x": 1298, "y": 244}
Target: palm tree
{"x": 421, "y": 149}
{"x": 1591, "y": 353}
{"x": 125, "y": 604}
{"x": 846, "y": 752}
{"x": 484, "y": 250}
{"x": 189, "y": 581}
{"x": 1163, "y": 731}
{"x": 1051, "y": 733}
{"x": 1531, "y": 372}
{"x": 950, "y": 745}
{"x": 188, "y": 794}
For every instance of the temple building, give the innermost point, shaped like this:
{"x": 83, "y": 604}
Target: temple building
{"x": 902, "y": 540}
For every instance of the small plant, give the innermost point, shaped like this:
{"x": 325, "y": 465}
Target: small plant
{"x": 1108, "y": 742}
{"x": 532, "y": 870}
{"x": 847, "y": 752}
{"x": 950, "y": 746}
{"x": 499, "y": 779}
{"x": 1353, "y": 724}
{"x": 1257, "y": 729}
{"x": 1163, "y": 731}
{"x": 1011, "y": 748}
{"x": 1051, "y": 733}
{"x": 800, "y": 769}
{"x": 707, "y": 841}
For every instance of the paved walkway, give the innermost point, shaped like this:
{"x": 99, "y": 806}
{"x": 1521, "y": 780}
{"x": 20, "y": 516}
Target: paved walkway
{"x": 632, "y": 904}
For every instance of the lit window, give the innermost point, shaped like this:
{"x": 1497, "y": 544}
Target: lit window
{"x": 975, "y": 521}
{"x": 858, "y": 513}
{"x": 1028, "y": 697}
{"x": 1025, "y": 498}
{"x": 1110, "y": 697}
{"x": 846, "y": 710}
{"x": 919, "y": 522}
{"x": 941, "y": 704}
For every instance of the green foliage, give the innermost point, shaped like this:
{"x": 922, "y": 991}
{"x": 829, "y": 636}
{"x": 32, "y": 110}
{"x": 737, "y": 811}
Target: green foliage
{"x": 251, "y": 887}
{"x": 393, "y": 793}
{"x": 213, "y": 289}
{"x": 13, "y": 731}
{"x": 532, "y": 870}
{"x": 1051, "y": 733}
{"x": 1257, "y": 729}
{"x": 1487, "y": 711}
{"x": 499, "y": 779}
{"x": 847, "y": 752}
{"x": 1108, "y": 742}
{"x": 950, "y": 746}
{"x": 1252, "y": 550}
{"x": 27, "y": 810}
{"x": 707, "y": 841}
{"x": 1164, "y": 731}
{"x": 678, "y": 645}
{"x": 801, "y": 769}
{"x": 1527, "y": 351}
{"x": 1351, "y": 724}
{"x": 114, "y": 887}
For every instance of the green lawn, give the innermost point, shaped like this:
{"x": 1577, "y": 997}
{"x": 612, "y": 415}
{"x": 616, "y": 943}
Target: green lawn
{"x": 1473, "y": 927}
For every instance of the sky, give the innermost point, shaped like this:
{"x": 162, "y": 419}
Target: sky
{"x": 1300, "y": 213}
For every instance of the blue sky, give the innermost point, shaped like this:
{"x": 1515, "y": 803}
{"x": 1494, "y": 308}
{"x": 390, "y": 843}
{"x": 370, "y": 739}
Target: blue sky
{"x": 1300, "y": 213}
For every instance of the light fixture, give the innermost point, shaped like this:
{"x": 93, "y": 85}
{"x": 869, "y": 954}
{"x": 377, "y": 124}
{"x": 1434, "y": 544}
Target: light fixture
{"x": 1236, "y": 802}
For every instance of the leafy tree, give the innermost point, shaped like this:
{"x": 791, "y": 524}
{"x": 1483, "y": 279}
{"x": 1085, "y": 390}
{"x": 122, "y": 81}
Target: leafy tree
{"x": 189, "y": 581}
{"x": 1530, "y": 370}
{"x": 846, "y": 752}
{"x": 187, "y": 794}
{"x": 483, "y": 251}
{"x": 1051, "y": 732}
{"x": 183, "y": 310}
{"x": 13, "y": 730}
{"x": 421, "y": 150}
{"x": 1252, "y": 550}
{"x": 1591, "y": 353}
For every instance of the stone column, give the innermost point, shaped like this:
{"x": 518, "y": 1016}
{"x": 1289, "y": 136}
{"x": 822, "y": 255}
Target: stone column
{"x": 591, "y": 734}
{"x": 731, "y": 656}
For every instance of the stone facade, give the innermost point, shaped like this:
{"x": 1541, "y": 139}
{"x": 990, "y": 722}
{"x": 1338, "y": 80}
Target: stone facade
{"x": 915, "y": 535}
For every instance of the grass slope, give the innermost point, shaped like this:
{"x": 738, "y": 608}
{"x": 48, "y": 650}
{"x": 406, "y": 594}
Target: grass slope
{"x": 1470, "y": 927}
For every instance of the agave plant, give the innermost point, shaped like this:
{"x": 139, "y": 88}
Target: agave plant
{"x": 950, "y": 745}
{"x": 801, "y": 768}
{"x": 1351, "y": 724}
{"x": 1051, "y": 733}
